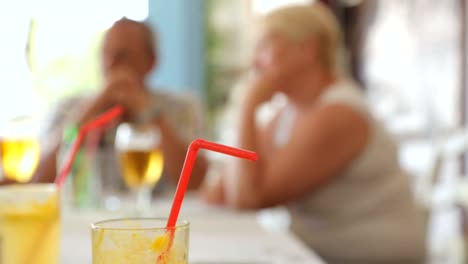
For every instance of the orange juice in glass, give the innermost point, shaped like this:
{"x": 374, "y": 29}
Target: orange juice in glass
{"x": 29, "y": 224}
{"x": 139, "y": 241}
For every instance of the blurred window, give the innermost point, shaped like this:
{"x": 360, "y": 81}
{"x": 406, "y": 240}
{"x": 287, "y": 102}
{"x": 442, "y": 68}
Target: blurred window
{"x": 412, "y": 71}
{"x": 53, "y": 50}
{"x": 412, "y": 65}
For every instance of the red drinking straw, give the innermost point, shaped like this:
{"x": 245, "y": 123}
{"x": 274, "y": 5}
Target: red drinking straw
{"x": 98, "y": 122}
{"x": 187, "y": 171}
{"x": 184, "y": 179}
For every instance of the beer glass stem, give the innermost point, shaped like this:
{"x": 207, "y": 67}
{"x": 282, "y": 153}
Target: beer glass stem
{"x": 143, "y": 203}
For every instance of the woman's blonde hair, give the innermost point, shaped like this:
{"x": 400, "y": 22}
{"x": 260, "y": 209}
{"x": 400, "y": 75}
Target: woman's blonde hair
{"x": 299, "y": 22}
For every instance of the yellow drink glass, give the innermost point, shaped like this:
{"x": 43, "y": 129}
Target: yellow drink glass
{"x": 141, "y": 160}
{"x": 138, "y": 241}
{"x": 20, "y": 157}
{"x": 29, "y": 224}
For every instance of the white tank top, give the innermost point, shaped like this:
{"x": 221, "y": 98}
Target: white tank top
{"x": 367, "y": 213}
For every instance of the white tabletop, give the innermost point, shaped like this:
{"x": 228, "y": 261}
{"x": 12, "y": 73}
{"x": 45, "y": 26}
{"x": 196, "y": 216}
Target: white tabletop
{"x": 216, "y": 236}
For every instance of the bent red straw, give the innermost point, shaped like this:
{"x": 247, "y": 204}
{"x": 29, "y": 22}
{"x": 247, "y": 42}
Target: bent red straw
{"x": 184, "y": 179}
{"x": 100, "y": 121}
{"x": 190, "y": 158}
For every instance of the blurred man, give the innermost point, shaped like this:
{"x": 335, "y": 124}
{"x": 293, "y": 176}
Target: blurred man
{"x": 128, "y": 57}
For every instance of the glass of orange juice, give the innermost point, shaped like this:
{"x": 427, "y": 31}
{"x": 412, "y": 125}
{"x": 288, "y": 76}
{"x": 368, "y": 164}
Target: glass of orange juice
{"x": 139, "y": 241}
{"x": 29, "y": 224}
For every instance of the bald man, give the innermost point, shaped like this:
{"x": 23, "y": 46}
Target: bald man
{"x": 128, "y": 56}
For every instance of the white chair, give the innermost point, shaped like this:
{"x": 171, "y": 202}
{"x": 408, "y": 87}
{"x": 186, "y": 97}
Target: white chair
{"x": 445, "y": 198}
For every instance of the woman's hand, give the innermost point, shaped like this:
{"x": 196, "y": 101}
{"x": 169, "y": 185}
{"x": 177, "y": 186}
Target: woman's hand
{"x": 261, "y": 90}
{"x": 273, "y": 79}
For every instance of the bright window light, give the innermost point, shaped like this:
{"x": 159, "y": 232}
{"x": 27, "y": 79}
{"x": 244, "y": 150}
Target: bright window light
{"x": 90, "y": 13}
{"x": 63, "y": 48}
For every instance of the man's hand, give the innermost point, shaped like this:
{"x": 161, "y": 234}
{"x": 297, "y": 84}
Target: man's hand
{"x": 122, "y": 88}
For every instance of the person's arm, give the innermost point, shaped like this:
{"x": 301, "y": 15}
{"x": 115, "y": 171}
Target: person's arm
{"x": 46, "y": 170}
{"x": 6, "y": 181}
{"x": 174, "y": 147}
{"x": 51, "y": 140}
{"x": 320, "y": 147}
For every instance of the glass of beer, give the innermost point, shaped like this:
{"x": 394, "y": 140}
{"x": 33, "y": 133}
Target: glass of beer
{"x": 139, "y": 241}
{"x": 141, "y": 160}
{"x": 19, "y": 149}
{"x": 29, "y": 224}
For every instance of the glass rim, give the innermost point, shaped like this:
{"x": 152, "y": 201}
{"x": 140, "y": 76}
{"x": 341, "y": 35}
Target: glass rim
{"x": 31, "y": 186}
{"x": 181, "y": 224}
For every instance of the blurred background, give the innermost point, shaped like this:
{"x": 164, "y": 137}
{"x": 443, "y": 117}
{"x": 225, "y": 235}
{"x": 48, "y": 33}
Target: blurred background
{"x": 409, "y": 56}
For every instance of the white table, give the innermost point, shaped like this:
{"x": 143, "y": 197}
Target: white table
{"x": 217, "y": 236}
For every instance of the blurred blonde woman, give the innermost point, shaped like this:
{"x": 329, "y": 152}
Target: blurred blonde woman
{"x": 323, "y": 156}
